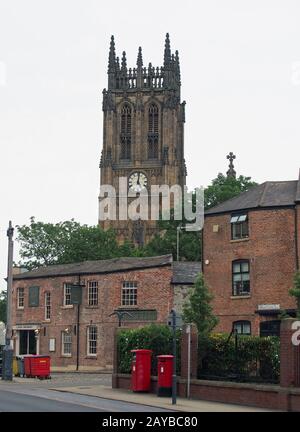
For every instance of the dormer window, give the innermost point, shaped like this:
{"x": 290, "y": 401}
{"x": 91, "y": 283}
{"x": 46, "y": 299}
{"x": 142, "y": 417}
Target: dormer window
{"x": 239, "y": 226}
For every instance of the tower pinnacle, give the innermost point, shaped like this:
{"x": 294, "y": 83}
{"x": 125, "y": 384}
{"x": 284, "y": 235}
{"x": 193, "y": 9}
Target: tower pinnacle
{"x": 112, "y": 55}
{"x": 167, "y": 53}
{"x": 139, "y": 62}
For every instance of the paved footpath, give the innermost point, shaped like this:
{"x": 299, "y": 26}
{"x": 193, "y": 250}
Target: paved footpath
{"x": 99, "y": 386}
{"x": 183, "y": 404}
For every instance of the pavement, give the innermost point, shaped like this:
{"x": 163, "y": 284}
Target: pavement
{"x": 152, "y": 400}
{"x": 99, "y": 386}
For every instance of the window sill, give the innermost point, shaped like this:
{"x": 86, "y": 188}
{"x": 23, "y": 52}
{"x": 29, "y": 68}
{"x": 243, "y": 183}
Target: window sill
{"x": 240, "y": 240}
{"x": 66, "y": 356}
{"x": 128, "y": 307}
{"x": 91, "y": 307}
{"x": 20, "y": 308}
{"x": 93, "y": 357}
{"x": 240, "y": 297}
{"x": 67, "y": 307}
{"x": 47, "y": 321}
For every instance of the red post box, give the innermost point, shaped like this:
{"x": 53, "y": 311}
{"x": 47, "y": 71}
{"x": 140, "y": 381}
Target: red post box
{"x": 141, "y": 370}
{"x": 164, "y": 375}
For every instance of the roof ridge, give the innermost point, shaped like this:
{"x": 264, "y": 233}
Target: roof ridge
{"x": 263, "y": 194}
{"x": 235, "y": 197}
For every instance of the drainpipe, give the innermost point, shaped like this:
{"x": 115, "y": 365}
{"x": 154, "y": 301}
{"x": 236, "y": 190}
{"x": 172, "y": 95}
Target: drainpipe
{"x": 296, "y": 237}
{"x": 77, "y": 331}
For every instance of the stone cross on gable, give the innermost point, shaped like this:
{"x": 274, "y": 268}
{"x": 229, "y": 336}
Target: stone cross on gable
{"x": 231, "y": 172}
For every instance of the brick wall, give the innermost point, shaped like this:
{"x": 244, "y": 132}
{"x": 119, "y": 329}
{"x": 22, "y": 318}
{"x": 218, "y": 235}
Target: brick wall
{"x": 271, "y": 252}
{"x": 154, "y": 292}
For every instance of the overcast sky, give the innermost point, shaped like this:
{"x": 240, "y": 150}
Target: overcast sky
{"x": 240, "y": 64}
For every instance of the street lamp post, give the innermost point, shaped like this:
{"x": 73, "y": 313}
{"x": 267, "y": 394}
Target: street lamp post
{"x": 8, "y": 351}
{"x": 120, "y": 315}
{"x": 179, "y": 228}
{"x": 188, "y": 228}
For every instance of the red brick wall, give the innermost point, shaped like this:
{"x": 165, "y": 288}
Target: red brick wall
{"x": 271, "y": 251}
{"x": 154, "y": 292}
{"x": 298, "y": 229}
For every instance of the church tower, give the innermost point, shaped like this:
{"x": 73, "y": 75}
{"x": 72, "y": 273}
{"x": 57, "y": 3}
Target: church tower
{"x": 143, "y": 131}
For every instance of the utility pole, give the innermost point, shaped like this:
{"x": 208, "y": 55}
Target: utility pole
{"x": 174, "y": 378}
{"x": 188, "y": 331}
{"x": 178, "y": 239}
{"x": 8, "y": 351}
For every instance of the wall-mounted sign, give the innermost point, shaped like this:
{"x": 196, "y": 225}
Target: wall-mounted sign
{"x": 52, "y": 345}
{"x": 268, "y": 307}
{"x": 76, "y": 294}
{"x": 26, "y": 326}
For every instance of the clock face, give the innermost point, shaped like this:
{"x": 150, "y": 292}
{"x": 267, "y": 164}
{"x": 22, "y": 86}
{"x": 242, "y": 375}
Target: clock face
{"x": 137, "y": 181}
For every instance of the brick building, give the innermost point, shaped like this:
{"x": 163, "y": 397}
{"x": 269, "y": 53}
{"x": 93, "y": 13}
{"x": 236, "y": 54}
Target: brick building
{"x": 45, "y": 320}
{"x": 251, "y": 252}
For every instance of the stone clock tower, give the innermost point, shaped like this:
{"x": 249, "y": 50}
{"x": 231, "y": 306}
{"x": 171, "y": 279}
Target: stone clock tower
{"x": 143, "y": 131}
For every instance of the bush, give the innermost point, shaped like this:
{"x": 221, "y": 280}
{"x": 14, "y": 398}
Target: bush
{"x": 254, "y": 359}
{"x": 158, "y": 338}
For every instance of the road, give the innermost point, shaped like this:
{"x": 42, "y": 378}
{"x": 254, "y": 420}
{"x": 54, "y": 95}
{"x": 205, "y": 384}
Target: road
{"x": 17, "y": 398}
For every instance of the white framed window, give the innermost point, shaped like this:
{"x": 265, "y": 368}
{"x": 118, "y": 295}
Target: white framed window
{"x": 239, "y": 226}
{"x": 66, "y": 344}
{"x": 129, "y": 294}
{"x": 67, "y": 294}
{"x": 20, "y": 298}
{"x": 242, "y": 327}
{"x": 92, "y": 339}
{"x": 93, "y": 293}
{"x": 47, "y": 306}
{"x": 240, "y": 278}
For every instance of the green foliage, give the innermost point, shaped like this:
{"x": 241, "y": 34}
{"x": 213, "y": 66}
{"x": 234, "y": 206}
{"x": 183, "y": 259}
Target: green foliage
{"x": 255, "y": 359}
{"x": 66, "y": 242}
{"x": 295, "y": 291}
{"x": 3, "y": 306}
{"x": 165, "y": 242}
{"x": 156, "y": 337}
{"x": 223, "y": 188}
{"x": 197, "y": 308}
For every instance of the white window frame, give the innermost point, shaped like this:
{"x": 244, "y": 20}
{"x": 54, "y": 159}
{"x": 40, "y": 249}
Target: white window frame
{"x": 240, "y": 327}
{"x": 18, "y": 298}
{"x": 64, "y": 343}
{"x": 67, "y": 285}
{"x": 129, "y": 298}
{"x": 47, "y": 306}
{"x": 93, "y": 293}
{"x": 91, "y": 340}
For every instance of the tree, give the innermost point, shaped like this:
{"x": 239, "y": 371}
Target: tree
{"x": 165, "y": 242}
{"x": 223, "y": 188}
{"x": 295, "y": 291}
{"x": 43, "y": 244}
{"x": 198, "y": 310}
{"x": 3, "y": 306}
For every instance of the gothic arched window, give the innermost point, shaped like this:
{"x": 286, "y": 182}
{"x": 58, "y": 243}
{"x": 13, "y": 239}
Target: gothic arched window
{"x": 153, "y": 132}
{"x": 126, "y": 132}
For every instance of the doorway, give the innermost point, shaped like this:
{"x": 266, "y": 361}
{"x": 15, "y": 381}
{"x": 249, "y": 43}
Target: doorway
{"x": 270, "y": 328}
{"x": 27, "y": 342}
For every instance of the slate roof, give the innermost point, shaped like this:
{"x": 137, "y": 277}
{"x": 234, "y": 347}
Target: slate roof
{"x": 97, "y": 267}
{"x": 185, "y": 272}
{"x": 266, "y": 195}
